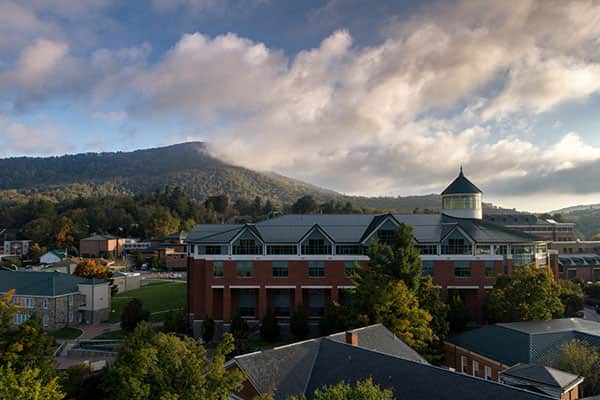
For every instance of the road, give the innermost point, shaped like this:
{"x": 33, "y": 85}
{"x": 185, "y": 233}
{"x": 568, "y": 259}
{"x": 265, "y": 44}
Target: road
{"x": 590, "y": 314}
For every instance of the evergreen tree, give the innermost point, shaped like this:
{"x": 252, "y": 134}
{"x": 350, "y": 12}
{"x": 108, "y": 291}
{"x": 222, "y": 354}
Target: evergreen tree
{"x": 299, "y": 323}
{"x": 133, "y": 314}
{"x": 269, "y": 328}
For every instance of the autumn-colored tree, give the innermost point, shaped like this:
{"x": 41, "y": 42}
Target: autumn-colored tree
{"x": 361, "y": 390}
{"x": 580, "y": 358}
{"x": 91, "y": 269}
{"x": 27, "y": 385}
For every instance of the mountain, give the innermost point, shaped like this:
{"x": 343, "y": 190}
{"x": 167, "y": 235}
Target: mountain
{"x": 187, "y": 165}
{"x": 572, "y": 209}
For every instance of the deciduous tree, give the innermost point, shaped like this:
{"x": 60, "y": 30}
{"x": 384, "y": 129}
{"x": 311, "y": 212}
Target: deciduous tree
{"x": 361, "y": 390}
{"x": 580, "y": 358}
{"x": 91, "y": 269}
{"x": 27, "y": 384}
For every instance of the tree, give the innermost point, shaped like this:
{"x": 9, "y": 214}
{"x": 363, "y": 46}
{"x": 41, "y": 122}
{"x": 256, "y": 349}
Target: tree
{"x": 269, "y": 328}
{"x": 593, "y": 290}
{"x": 379, "y": 299}
{"x": 240, "y": 331}
{"x": 91, "y": 269}
{"x": 361, "y": 390}
{"x": 27, "y": 384}
{"x": 305, "y": 205}
{"x": 26, "y": 347}
{"x": 457, "y": 314}
{"x": 571, "y": 297}
{"x": 133, "y": 314}
{"x": 175, "y": 322}
{"x": 526, "y": 294}
{"x": 164, "y": 366}
{"x": 334, "y": 320}
{"x": 401, "y": 260}
{"x": 430, "y": 300}
{"x": 208, "y": 329}
{"x": 580, "y": 358}
{"x": 218, "y": 203}
{"x": 299, "y": 323}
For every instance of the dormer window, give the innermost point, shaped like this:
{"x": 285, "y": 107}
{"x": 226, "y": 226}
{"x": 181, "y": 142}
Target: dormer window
{"x": 386, "y": 236}
{"x": 316, "y": 244}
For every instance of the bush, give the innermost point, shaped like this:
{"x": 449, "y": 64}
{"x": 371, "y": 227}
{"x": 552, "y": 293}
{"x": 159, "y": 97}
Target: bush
{"x": 240, "y": 330}
{"x": 593, "y": 291}
{"x": 457, "y": 314}
{"x": 133, "y": 314}
{"x": 269, "y": 329}
{"x": 299, "y": 323}
{"x": 333, "y": 320}
{"x": 175, "y": 322}
{"x": 208, "y": 329}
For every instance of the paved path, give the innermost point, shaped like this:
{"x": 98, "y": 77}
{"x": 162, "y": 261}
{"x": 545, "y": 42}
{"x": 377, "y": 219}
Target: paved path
{"x": 590, "y": 314}
{"x": 91, "y": 331}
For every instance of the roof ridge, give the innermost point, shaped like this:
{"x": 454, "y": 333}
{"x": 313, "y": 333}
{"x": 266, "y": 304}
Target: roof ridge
{"x": 312, "y": 366}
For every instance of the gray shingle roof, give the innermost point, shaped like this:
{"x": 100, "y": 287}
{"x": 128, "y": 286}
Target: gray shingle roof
{"x": 537, "y": 373}
{"x": 355, "y": 228}
{"x": 461, "y": 185}
{"x": 305, "y": 366}
{"x": 100, "y": 237}
{"x": 41, "y": 283}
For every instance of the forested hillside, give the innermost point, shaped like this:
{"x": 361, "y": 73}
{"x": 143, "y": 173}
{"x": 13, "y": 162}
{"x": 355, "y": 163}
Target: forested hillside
{"x": 187, "y": 166}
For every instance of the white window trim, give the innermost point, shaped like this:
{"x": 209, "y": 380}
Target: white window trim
{"x": 463, "y": 364}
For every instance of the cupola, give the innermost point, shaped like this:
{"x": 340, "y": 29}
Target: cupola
{"x": 462, "y": 199}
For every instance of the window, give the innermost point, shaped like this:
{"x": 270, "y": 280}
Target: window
{"x": 316, "y": 269}
{"x": 71, "y": 316}
{"x": 20, "y": 318}
{"x": 483, "y": 249}
{"x": 212, "y": 250}
{"x": 316, "y": 246}
{"x": 487, "y": 373}
{"x": 192, "y": 249}
{"x": 475, "y": 368}
{"x": 244, "y": 269}
{"x": 45, "y": 303}
{"x": 247, "y": 302}
{"x": 70, "y": 300}
{"x": 29, "y": 302}
{"x": 462, "y": 269}
{"x": 386, "y": 236}
{"x": 571, "y": 273}
{"x": 463, "y": 364}
{"x": 281, "y": 302}
{"x": 282, "y": 249}
{"x": 218, "y": 269}
{"x": 316, "y": 303}
{"x": 280, "y": 269}
{"x": 501, "y": 249}
{"x": 349, "y": 267}
{"x": 45, "y": 321}
{"x": 596, "y": 275}
{"x": 350, "y": 250}
{"x": 456, "y": 243}
{"x": 427, "y": 249}
{"x": 489, "y": 269}
{"x": 428, "y": 267}
{"x": 247, "y": 246}
{"x": 461, "y": 202}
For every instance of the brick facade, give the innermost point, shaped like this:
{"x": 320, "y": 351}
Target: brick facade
{"x": 463, "y": 360}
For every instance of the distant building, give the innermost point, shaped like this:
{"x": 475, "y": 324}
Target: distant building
{"x": 304, "y": 260}
{"x": 101, "y": 246}
{"x": 52, "y": 257}
{"x": 576, "y": 247}
{"x": 125, "y": 281}
{"x": 16, "y": 248}
{"x": 544, "y": 229}
{"x": 579, "y": 265}
{"x": 59, "y": 299}
{"x": 131, "y": 245}
{"x": 491, "y": 350}
{"x": 371, "y": 352}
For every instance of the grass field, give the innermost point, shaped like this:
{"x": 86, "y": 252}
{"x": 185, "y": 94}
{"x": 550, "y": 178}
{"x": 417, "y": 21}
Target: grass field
{"x": 157, "y": 296}
{"x": 66, "y": 333}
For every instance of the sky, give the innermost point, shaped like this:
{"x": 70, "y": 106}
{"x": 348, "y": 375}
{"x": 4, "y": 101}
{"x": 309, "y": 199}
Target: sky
{"x": 363, "y": 97}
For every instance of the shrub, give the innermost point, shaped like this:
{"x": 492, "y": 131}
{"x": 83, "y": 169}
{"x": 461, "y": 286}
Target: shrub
{"x": 240, "y": 330}
{"x": 208, "y": 329}
{"x": 299, "y": 323}
{"x": 175, "y": 322}
{"x": 333, "y": 320}
{"x": 269, "y": 329}
{"x": 133, "y": 314}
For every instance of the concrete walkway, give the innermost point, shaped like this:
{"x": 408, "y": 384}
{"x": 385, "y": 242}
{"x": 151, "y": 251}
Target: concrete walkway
{"x": 91, "y": 331}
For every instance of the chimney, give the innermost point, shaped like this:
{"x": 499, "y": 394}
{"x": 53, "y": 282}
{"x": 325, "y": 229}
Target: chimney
{"x": 352, "y": 338}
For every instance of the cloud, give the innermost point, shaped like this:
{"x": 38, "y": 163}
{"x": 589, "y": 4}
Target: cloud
{"x": 38, "y": 61}
{"x": 195, "y": 7}
{"x": 22, "y": 139}
{"x": 110, "y": 116}
{"x": 366, "y": 120}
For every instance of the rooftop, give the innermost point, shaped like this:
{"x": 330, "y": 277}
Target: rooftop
{"x": 540, "y": 374}
{"x": 302, "y": 367}
{"x": 461, "y": 185}
{"x": 48, "y": 284}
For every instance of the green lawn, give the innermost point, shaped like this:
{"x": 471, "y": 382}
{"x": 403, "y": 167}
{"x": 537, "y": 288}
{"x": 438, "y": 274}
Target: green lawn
{"x": 66, "y": 333}
{"x": 157, "y": 296}
{"x": 120, "y": 334}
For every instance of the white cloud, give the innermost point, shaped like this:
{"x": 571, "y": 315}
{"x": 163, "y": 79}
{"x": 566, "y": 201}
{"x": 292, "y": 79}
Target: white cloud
{"x": 38, "y": 61}
{"x": 110, "y": 116}
{"x": 22, "y": 139}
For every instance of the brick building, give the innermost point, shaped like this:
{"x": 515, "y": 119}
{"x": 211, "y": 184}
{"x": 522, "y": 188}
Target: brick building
{"x": 584, "y": 265}
{"x": 371, "y": 352}
{"x": 304, "y": 259}
{"x": 576, "y": 247}
{"x": 493, "y": 351}
{"x": 544, "y": 229}
{"x": 58, "y": 299}
{"x": 101, "y": 246}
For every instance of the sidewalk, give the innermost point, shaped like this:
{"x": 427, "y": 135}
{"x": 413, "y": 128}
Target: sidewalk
{"x": 91, "y": 331}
